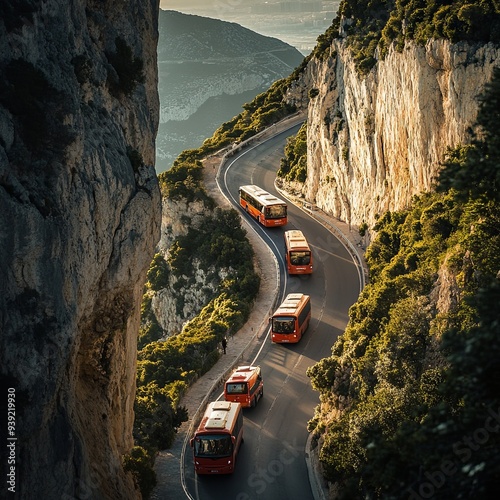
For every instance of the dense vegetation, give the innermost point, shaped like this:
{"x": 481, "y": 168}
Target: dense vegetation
{"x": 410, "y": 396}
{"x": 293, "y": 165}
{"x": 373, "y": 26}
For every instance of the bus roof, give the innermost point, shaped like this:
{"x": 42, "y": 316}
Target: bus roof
{"x": 292, "y": 303}
{"x": 296, "y": 239}
{"x": 242, "y": 374}
{"x": 261, "y": 195}
{"x": 219, "y": 415}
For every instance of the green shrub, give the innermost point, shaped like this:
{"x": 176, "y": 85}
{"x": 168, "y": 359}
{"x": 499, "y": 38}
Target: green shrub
{"x": 158, "y": 273}
{"x": 156, "y": 419}
{"x": 324, "y": 41}
{"x": 218, "y": 241}
{"x": 363, "y": 228}
{"x": 140, "y": 464}
{"x": 313, "y": 93}
{"x": 293, "y": 166}
{"x": 149, "y": 331}
{"x": 184, "y": 180}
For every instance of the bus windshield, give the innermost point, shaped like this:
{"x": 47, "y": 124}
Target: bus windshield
{"x": 236, "y": 388}
{"x": 284, "y": 324}
{"x": 275, "y": 211}
{"x": 213, "y": 446}
{"x": 300, "y": 258}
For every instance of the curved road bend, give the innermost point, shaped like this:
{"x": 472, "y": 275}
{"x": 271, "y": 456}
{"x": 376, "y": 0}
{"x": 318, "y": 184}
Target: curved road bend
{"x": 271, "y": 463}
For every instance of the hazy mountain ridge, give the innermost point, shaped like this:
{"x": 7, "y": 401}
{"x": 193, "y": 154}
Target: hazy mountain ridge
{"x": 201, "y": 59}
{"x": 190, "y": 37}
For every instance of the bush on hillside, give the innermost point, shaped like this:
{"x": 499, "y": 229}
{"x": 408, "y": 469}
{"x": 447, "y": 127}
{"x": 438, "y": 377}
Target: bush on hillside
{"x": 293, "y": 165}
{"x": 372, "y": 27}
{"x": 140, "y": 463}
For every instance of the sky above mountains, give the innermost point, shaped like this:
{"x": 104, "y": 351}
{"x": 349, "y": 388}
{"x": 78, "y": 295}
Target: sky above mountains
{"x": 215, "y": 5}
{"x": 296, "y": 22}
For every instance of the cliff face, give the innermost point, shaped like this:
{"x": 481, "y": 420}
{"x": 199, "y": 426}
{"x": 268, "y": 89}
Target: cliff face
{"x": 375, "y": 141}
{"x": 184, "y": 296}
{"x": 80, "y": 217}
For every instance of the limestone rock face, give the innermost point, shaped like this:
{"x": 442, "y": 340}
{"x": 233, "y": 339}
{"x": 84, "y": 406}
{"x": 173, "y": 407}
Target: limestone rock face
{"x": 375, "y": 141}
{"x": 184, "y": 296}
{"x": 80, "y": 215}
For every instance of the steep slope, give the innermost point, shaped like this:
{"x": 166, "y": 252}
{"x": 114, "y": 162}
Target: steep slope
{"x": 80, "y": 216}
{"x": 207, "y": 70}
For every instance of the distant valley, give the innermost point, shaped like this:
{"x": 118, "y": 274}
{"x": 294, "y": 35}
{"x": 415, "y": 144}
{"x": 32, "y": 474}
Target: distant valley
{"x": 296, "y": 22}
{"x": 207, "y": 70}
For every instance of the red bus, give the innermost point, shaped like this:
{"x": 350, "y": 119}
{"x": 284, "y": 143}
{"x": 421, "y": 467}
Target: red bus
{"x": 263, "y": 206}
{"x": 291, "y": 319}
{"x": 218, "y": 438}
{"x": 245, "y": 386}
{"x": 298, "y": 254}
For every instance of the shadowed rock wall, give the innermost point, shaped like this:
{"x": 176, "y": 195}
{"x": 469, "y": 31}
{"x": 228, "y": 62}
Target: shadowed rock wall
{"x": 80, "y": 215}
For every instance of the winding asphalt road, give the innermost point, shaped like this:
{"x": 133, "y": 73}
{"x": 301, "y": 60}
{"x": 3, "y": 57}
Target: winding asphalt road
{"x": 271, "y": 463}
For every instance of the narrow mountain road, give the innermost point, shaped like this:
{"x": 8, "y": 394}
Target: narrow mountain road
{"x": 272, "y": 462}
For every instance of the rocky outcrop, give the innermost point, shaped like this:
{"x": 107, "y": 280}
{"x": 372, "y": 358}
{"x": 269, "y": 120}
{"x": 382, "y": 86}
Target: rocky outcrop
{"x": 80, "y": 217}
{"x": 184, "y": 296}
{"x": 376, "y": 141}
